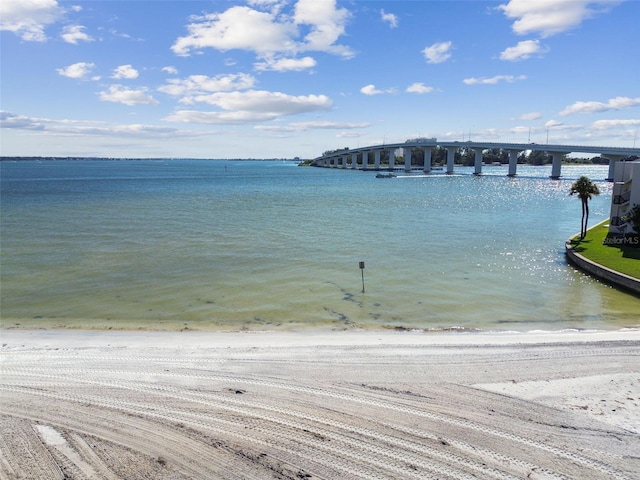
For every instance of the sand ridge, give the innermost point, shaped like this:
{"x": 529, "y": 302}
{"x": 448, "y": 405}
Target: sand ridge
{"x": 207, "y": 405}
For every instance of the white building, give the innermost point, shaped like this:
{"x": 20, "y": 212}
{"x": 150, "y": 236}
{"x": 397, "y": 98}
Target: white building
{"x": 626, "y": 194}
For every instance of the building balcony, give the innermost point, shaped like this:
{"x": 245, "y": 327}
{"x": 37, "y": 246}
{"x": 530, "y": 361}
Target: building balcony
{"x": 622, "y": 198}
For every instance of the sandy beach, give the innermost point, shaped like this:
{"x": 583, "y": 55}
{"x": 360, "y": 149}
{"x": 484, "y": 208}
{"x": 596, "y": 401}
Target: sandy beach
{"x": 290, "y": 405}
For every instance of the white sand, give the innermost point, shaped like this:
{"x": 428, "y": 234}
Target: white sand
{"x": 171, "y": 405}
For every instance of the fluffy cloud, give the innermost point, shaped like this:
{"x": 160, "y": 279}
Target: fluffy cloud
{"x": 618, "y": 103}
{"x": 12, "y": 120}
{"x": 201, "y": 84}
{"x": 610, "y": 124}
{"x": 125, "y": 72}
{"x": 327, "y": 24}
{"x": 82, "y": 128}
{"x": 530, "y": 116}
{"x": 261, "y": 101}
{"x": 372, "y": 90}
{"x": 493, "y": 80}
{"x": 550, "y": 17}
{"x": 390, "y": 18}
{"x": 74, "y": 34}
{"x": 29, "y": 18}
{"x": 127, "y": 96}
{"x": 285, "y": 64}
{"x": 170, "y": 70}
{"x": 237, "y": 28}
{"x": 77, "y": 70}
{"x": 268, "y": 33}
{"x": 315, "y": 125}
{"x": 419, "y": 88}
{"x": 522, "y": 50}
{"x": 249, "y": 107}
{"x": 438, "y": 52}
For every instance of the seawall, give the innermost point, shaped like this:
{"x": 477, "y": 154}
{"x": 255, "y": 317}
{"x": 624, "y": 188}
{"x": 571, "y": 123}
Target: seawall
{"x": 620, "y": 280}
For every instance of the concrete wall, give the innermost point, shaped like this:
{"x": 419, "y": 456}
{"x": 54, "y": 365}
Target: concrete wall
{"x": 605, "y": 274}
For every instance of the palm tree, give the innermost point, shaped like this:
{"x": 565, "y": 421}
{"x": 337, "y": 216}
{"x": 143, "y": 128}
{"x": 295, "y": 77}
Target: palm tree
{"x": 584, "y": 188}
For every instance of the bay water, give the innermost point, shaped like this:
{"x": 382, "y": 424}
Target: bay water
{"x": 268, "y": 245}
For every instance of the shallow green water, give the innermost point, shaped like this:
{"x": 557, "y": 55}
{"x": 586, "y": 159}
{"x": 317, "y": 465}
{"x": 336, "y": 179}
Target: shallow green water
{"x": 263, "y": 245}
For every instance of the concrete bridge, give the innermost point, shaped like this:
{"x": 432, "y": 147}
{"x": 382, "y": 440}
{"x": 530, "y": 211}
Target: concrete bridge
{"x": 360, "y": 158}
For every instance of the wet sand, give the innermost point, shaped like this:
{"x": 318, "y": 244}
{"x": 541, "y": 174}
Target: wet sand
{"x": 181, "y": 405}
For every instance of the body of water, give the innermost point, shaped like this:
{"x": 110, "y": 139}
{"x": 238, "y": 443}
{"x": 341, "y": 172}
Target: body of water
{"x": 269, "y": 245}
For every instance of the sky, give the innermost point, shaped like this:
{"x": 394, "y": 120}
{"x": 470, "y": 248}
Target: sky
{"x": 294, "y": 78}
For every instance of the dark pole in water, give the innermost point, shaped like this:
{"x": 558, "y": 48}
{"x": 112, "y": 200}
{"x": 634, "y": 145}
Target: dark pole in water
{"x": 362, "y": 271}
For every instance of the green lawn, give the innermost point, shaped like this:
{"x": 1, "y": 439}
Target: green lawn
{"x": 619, "y": 258}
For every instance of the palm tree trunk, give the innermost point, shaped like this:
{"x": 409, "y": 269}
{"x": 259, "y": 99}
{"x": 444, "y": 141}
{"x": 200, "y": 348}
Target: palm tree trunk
{"x": 586, "y": 217}
{"x": 583, "y": 230}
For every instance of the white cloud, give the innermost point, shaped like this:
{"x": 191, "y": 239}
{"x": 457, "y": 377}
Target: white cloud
{"x": 324, "y": 125}
{"x": 201, "y": 84}
{"x": 250, "y": 107}
{"x": 313, "y": 125}
{"x": 523, "y": 50}
{"x": 21, "y": 122}
{"x": 609, "y": 124}
{"x": 348, "y": 135}
{"x": 77, "y": 70}
{"x": 550, "y": 17}
{"x": 74, "y": 34}
{"x": 493, "y": 80}
{"x": 125, "y": 71}
{"x": 127, "y": 96}
{"x": 372, "y": 90}
{"x": 272, "y": 103}
{"x": 79, "y": 128}
{"x": 530, "y": 116}
{"x": 438, "y": 52}
{"x": 218, "y": 118}
{"x": 553, "y": 123}
{"x": 618, "y": 103}
{"x": 267, "y": 33}
{"x": 238, "y": 27}
{"x": 389, "y": 18}
{"x": 419, "y": 87}
{"x": 29, "y": 18}
{"x": 170, "y": 70}
{"x": 285, "y": 64}
{"x": 327, "y": 24}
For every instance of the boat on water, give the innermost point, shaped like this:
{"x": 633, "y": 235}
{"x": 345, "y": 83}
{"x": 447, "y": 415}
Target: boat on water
{"x": 386, "y": 175}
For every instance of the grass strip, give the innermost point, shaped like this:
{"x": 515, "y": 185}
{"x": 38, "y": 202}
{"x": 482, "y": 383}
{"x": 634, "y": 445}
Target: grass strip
{"x": 621, "y": 258}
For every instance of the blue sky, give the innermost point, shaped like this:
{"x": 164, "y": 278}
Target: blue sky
{"x": 293, "y": 78}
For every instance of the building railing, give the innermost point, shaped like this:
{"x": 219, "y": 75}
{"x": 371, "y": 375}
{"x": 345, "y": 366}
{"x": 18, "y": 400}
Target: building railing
{"x": 623, "y": 198}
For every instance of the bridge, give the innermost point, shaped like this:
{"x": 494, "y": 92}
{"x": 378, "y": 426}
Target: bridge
{"x": 360, "y": 158}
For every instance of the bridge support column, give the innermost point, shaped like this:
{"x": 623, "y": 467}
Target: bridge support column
{"x": 407, "y": 159}
{"x": 344, "y": 161}
{"x": 427, "y": 160}
{"x": 513, "y": 163}
{"x": 613, "y": 159}
{"x": 365, "y": 160}
{"x": 556, "y": 165}
{"x": 451, "y": 158}
{"x": 478, "y": 162}
{"x": 354, "y": 160}
{"x": 392, "y": 159}
{"x": 376, "y": 159}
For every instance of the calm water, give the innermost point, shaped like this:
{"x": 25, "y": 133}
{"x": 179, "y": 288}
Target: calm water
{"x": 265, "y": 245}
